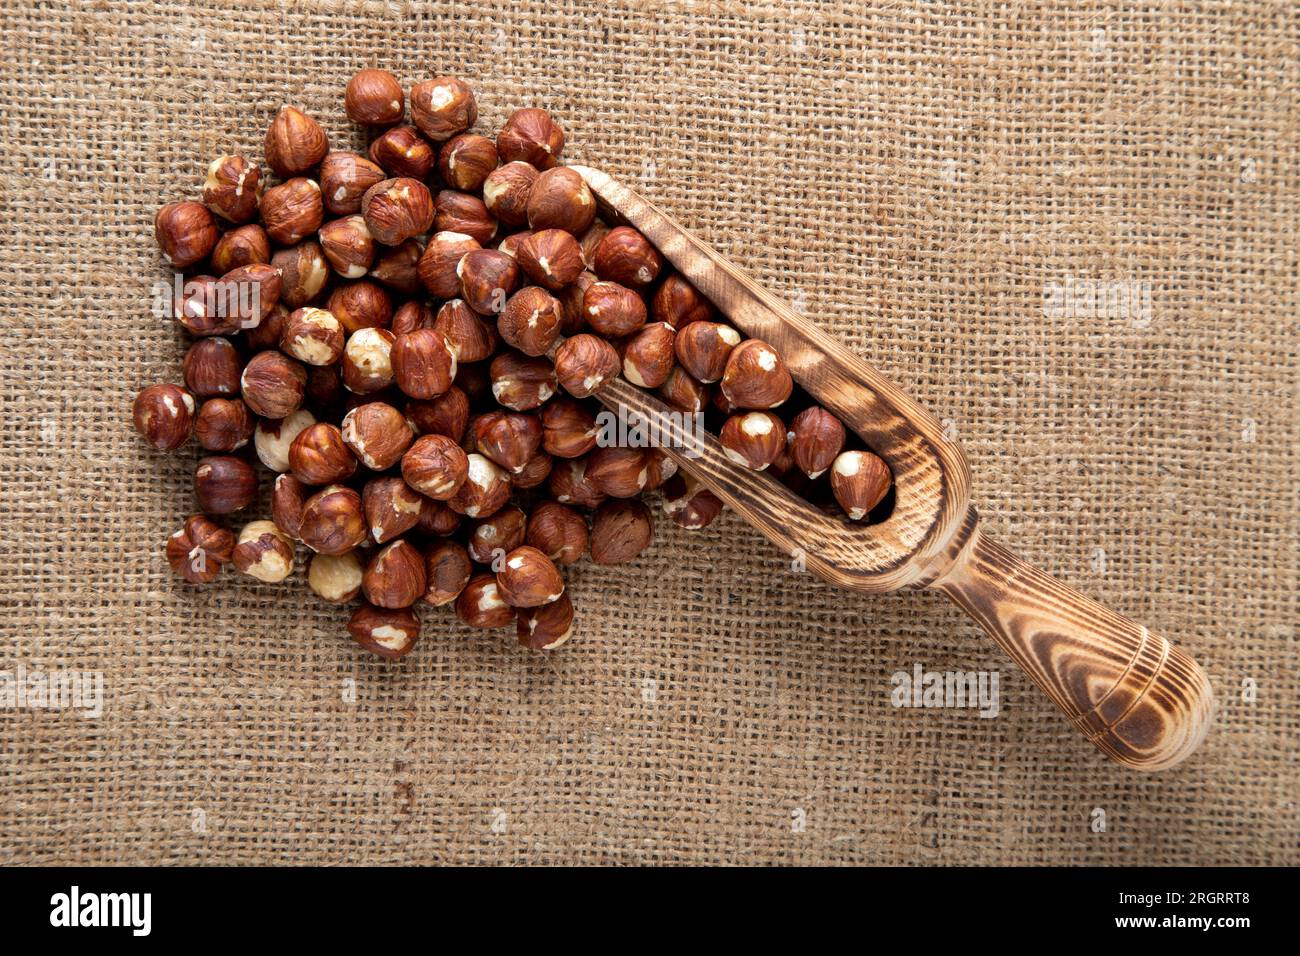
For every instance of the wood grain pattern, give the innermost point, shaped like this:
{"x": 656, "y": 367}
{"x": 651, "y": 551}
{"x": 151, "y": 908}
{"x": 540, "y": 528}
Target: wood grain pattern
{"x": 1137, "y": 698}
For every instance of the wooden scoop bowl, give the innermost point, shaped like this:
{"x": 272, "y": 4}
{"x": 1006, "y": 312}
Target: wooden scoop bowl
{"x": 1136, "y": 697}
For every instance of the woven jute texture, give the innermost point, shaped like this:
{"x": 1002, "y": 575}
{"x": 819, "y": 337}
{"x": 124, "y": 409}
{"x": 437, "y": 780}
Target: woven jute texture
{"x": 939, "y": 185}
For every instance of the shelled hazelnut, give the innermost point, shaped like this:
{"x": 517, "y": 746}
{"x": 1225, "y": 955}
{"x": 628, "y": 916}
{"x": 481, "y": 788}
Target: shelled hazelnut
{"x": 484, "y": 491}
{"x": 402, "y": 151}
{"x": 186, "y": 233}
{"x": 361, "y": 305}
{"x": 466, "y": 161}
{"x": 447, "y": 571}
{"x": 313, "y": 336}
{"x": 294, "y": 143}
{"x": 460, "y": 212}
{"x": 333, "y": 520}
{"x": 547, "y": 627}
{"x": 164, "y": 416}
{"x": 232, "y": 188}
{"x": 288, "y": 495}
{"x": 703, "y": 349}
{"x": 522, "y": 382}
{"x": 344, "y": 179}
{"x": 613, "y": 310}
{"x": 319, "y": 456}
{"x": 535, "y": 471}
{"x": 557, "y": 531}
{"x": 529, "y": 578}
{"x": 224, "y": 424}
{"x": 569, "y": 428}
{"x": 448, "y": 414}
{"x": 560, "y": 199}
{"x": 392, "y": 508}
{"x": 509, "y": 438}
{"x": 530, "y": 321}
{"x": 388, "y": 632}
{"x": 620, "y": 530}
{"x": 532, "y": 136}
{"x": 443, "y": 107}
{"x": 198, "y": 549}
{"x": 679, "y": 303}
{"x": 689, "y": 504}
{"x": 487, "y": 279}
{"x": 755, "y": 376}
{"x": 815, "y": 440}
{"x": 368, "y": 360}
{"x": 273, "y": 384}
{"x": 292, "y": 211}
{"x": 423, "y": 363}
{"x": 648, "y": 355}
{"x": 619, "y": 472}
{"x": 860, "y": 481}
{"x": 627, "y": 257}
{"x": 440, "y": 260}
{"x": 264, "y": 552}
{"x": 397, "y": 209}
{"x": 683, "y": 392}
{"x": 224, "y": 484}
{"x": 551, "y": 257}
{"x": 272, "y": 438}
{"x": 303, "y": 271}
{"x": 436, "y": 467}
{"x": 335, "y": 577}
{"x": 506, "y": 191}
{"x": 410, "y": 316}
{"x": 480, "y": 603}
{"x": 397, "y": 267}
{"x": 569, "y": 485}
{"x": 753, "y": 439}
{"x": 378, "y": 434}
{"x": 583, "y": 363}
{"x": 374, "y": 98}
{"x": 395, "y": 576}
{"x": 241, "y": 246}
{"x": 495, "y": 536}
{"x": 348, "y": 246}
{"x": 211, "y": 368}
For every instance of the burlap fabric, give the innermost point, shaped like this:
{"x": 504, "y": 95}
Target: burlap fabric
{"x": 938, "y": 185}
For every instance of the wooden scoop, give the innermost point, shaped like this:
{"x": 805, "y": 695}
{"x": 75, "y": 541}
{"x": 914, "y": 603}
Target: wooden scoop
{"x": 1139, "y": 699}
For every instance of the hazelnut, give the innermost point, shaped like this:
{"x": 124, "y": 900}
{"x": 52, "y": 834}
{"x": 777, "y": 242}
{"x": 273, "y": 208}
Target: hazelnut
{"x": 397, "y": 210}
{"x": 335, "y": 577}
{"x": 860, "y": 481}
{"x": 266, "y": 335}
{"x": 568, "y": 429}
{"x": 620, "y": 530}
{"x": 447, "y": 414}
{"x": 232, "y": 188}
{"x": 395, "y": 576}
{"x": 485, "y": 489}
{"x": 755, "y": 376}
{"x": 472, "y": 338}
{"x": 292, "y": 211}
{"x": 392, "y": 508}
{"x": 551, "y": 258}
{"x": 264, "y": 552}
{"x": 613, "y": 310}
{"x": 164, "y": 416}
{"x": 522, "y": 382}
{"x": 682, "y": 392}
{"x": 815, "y": 439}
{"x": 487, "y": 278}
{"x": 689, "y": 504}
{"x": 648, "y": 355}
{"x": 480, "y": 603}
{"x": 303, "y": 272}
{"x": 348, "y": 246}
{"x": 249, "y": 294}
{"x": 560, "y": 199}
{"x": 402, "y": 151}
{"x": 583, "y": 363}
{"x": 443, "y": 107}
{"x": 424, "y": 363}
{"x": 333, "y": 520}
{"x": 436, "y": 466}
{"x": 627, "y": 257}
{"x": 437, "y": 518}
{"x": 530, "y": 321}
{"x": 211, "y": 368}
{"x": 198, "y": 549}
{"x": 313, "y": 336}
{"x": 361, "y": 305}
{"x": 569, "y": 484}
{"x": 224, "y": 424}
{"x": 273, "y": 384}
{"x": 200, "y": 307}
{"x": 659, "y": 468}
{"x": 508, "y": 438}
{"x": 242, "y": 246}
{"x": 572, "y": 309}
{"x": 294, "y": 143}
{"x": 531, "y": 136}
{"x": 378, "y": 434}
{"x": 374, "y": 98}
{"x": 367, "y": 361}
{"x": 398, "y": 267}
{"x": 558, "y": 532}
{"x": 318, "y": 456}
{"x": 224, "y": 484}
{"x": 288, "y": 495}
{"x": 438, "y": 263}
{"x": 704, "y": 347}
{"x": 410, "y": 316}
{"x": 186, "y": 233}
{"x": 679, "y": 303}
{"x": 535, "y": 471}
{"x": 510, "y": 244}
{"x": 619, "y": 472}
{"x": 753, "y": 439}
{"x": 273, "y": 438}
{"x": 547, "y": 627}
{"x": 344, "y": 179}
{"x": 447, "y": 569}
{"x": 460, "y": 212}
{"x": 529, "y": 579}
{"x": 466, "y": 160}
{"x": 497, "y": 535}
{"x": 387, "y": 632}
{"x": 506, "y": 190}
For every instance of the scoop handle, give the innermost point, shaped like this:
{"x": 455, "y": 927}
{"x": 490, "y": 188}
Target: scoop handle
{"x": 1135, "y": 696}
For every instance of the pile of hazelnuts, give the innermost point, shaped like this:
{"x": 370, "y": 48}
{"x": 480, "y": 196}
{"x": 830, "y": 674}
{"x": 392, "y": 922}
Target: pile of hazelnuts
{"x": 411, "y": 341}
